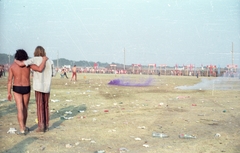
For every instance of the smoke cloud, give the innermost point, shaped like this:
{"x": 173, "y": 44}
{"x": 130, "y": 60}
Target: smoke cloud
{"x": 129, "y": 82}
{"x": 221, "y": 83}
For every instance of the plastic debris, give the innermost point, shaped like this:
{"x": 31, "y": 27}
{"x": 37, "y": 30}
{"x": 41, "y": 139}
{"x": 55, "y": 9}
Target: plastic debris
{"x": 100, "y": 151}
{"x": 160, "y": 135}
{"x": 12, "y": 131}
{"x": 187, "y": 136}
{"x": 161, "y": 104}
{"x": 55, "y": 100}
{"x": 138, "y": 139}
{"x": 86, "y": 139}
{"x": 122, "y": 150}
{"x": 68, "y": 146}
{"x": 145, "y": 145}
{"x": 141, "y": 127}
{"x": 65, "y": 118}
{"x": 217, "y": 135}
{"x": 68, "y": 112}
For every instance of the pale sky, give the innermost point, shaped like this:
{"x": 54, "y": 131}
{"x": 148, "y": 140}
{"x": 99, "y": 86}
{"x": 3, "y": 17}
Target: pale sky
{"x": 151, "y": 31}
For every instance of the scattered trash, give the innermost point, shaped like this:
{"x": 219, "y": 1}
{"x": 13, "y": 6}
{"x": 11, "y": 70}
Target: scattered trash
{"x": 12, "y": 131}
{"x": 161, "y": 104}
{"x": 160, "y": 135}
{"x": 122, "y": 150}
{"x": 36, "y": 120}
{"x": 92, "y": 141}
{"x": 68, "y": 146}
{"x": 100, "y": 151}
{"x": 68, "y": 100}
{"x": 81, "y": 111}
{"x": 224, "y": 111}
{"x": 65, "y": 118}
{"x": 217, "y": 135}
{"x": 138, "y": 139}
{"x": 106, "y": 110}
{"x": 145, "y": 145}
{"x": 86, "y": 139}
{"x": 77, "y": 143}
{"x": 186, "y": 136}
{"x": 194, "y": 104}
{"x": 141, "y": 127}
{"x": 56, "y": 100}
{"x": 68, "y": 112}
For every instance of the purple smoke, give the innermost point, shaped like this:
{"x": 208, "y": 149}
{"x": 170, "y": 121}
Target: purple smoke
{"x": 124, "y": 82}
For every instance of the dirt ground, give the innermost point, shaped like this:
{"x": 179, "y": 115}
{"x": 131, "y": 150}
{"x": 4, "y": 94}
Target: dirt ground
{"x": 115, "y": 119}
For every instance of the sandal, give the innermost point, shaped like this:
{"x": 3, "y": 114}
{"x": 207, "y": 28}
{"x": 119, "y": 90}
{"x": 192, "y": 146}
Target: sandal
{"x": 26, "y": 131}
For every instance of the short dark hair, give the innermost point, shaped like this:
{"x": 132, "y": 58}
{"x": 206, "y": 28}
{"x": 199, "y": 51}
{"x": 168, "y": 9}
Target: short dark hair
{"x": 21, "y": 55}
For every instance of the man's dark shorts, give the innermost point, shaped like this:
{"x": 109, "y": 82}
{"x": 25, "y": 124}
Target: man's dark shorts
{"x": 22, "y": 89}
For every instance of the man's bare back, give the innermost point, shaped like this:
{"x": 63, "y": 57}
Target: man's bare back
{"x": 21, "y": 75}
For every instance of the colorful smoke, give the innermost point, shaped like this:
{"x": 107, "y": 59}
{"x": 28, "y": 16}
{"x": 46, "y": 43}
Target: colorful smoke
{"x": 133, "y": 83}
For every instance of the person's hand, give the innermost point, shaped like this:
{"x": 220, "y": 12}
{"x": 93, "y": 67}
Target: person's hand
{"x": 45, "y": 58}
{"x": 10, "y": 97}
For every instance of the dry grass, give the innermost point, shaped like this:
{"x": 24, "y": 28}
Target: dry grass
{"x": 115, "y": 115}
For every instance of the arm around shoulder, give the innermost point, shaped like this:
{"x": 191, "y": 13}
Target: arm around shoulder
{"x": 41, "y": 67}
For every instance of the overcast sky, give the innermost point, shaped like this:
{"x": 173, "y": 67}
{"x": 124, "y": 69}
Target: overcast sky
{"x": 151, "y": 31}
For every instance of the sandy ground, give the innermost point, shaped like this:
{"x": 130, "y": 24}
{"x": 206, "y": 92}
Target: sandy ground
{"x": 113, "y": 118}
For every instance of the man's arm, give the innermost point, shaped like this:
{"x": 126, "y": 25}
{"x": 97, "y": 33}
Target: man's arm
{"x": 9, "y": 86}
{"x": 33, "y": 66}
{"x": 41, "y": 66}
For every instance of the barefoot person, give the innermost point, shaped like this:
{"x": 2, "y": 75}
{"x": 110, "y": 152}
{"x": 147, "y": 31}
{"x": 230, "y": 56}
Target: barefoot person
{"x": 74, "y": 73}
{"x": 19, "y": 81}
{"x": 41, "y": 85}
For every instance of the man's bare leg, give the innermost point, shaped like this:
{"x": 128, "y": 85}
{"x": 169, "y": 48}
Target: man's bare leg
{"x": 26, "y": 98}
{"x": 19, "y": 103}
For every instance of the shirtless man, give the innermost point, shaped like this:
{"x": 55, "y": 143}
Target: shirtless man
{"x": 74, "y": 73}
{"x": 19, "y": 78}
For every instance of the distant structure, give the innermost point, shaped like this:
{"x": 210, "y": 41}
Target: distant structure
{"x": 162, "y": 66}
{"x": 136, "y": 68}
{"x": 151, "y": 68}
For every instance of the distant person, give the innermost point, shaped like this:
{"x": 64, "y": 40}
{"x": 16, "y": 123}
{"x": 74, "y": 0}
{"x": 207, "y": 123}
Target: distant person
{"x": 62, "y": 73}
{"x": 197, "y": 74}
{"x": 74, "y": 73}
{"x": 1, "y": 71}
{"x": 41, "y": 85}
{"x": 19, "y": 82}
{"x": 65, "y": 72}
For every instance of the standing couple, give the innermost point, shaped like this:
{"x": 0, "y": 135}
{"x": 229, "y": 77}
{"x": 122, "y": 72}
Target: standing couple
{"x": 19, "y": 82}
